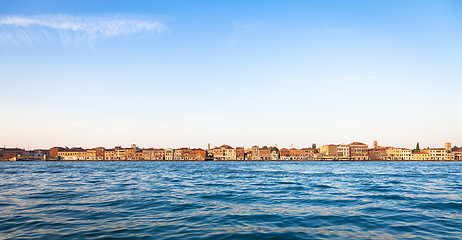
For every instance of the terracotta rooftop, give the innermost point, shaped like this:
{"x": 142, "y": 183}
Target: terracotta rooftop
{"x": 420, "y": 153}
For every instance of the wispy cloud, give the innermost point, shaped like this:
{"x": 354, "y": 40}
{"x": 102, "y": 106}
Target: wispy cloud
{"x": 337, "y": 30}
{"x": 243, "y": 28}
{"x": 19, "y": 30}
{"x": 367, "y": 78}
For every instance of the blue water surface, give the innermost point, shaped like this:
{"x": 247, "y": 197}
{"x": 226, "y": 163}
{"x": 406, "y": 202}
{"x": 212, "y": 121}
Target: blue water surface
{"x": 230, "y": 200}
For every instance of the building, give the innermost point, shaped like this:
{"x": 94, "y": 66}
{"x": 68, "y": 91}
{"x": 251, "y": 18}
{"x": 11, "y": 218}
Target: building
{"x": 265, "y": 153}
{"x": 284, "y": 154}
{"x": 12, "y": 153}
{"x": 255, "y": 150}
{"x": 329, "y": 150}
{"x": 149, "y": 154}
{"x": 240, "y": 153}
{"x": 186, "y": 154}
{"x": 294, "y": 154}
{"x": 169, "y": 153}
{"x": 224, "y": 152}
{"x": 95, "y": 154}
{"x": 180, "y": 154}
{"x": 198, "y": 154}
{"x": 159, "y": 154}
{"x": 35, "y": 153}
{"x": 83, "y": 156}
{"x": 421, "y": 156}
{"x": 406, "y": 154}
{"x": 306, "y": 153}
{"x": 359, "y": 151}
{"x": 437, "y": 153}
{"x": 378, "y": 154}
{"x": 448, "y": 146}
{"x": 218, "y": 153}
{"x": 229, "y": 152}
{"x": 343, "y": 151}
{"x": 457, "y": 155}
{"x": 72, "y": 154}
{"x": 139, "y": 155}
{"x": 110, "y": 155}
{"x": 274, "y": 155}
{"x": 120, "y": 153}
{"x": 54, "y": 151}
{"x": 393, "y": 154}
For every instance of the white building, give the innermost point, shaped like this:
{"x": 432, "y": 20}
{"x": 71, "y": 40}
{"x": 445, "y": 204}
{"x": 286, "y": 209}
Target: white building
{"x": 274, "y": 155}
{"x": 343, "y": 150}
{"x": 406, "y": 154}
{"x": 437, "y": 153}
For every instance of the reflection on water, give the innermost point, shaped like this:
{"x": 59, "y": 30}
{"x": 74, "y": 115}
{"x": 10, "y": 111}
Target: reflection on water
{"x": 230, "y": 200}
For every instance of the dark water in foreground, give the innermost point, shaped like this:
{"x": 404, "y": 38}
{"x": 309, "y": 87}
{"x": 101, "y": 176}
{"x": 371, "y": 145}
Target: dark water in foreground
{"x": 230, "y": 200}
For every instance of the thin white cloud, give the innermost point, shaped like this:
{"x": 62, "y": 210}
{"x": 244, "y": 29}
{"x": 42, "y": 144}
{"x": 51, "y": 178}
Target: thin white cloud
{"x": 368, "y": 78}
{"x": 337, "y": 30}
{"x": 18, "y": 30}
{"x": 243, "y": 28}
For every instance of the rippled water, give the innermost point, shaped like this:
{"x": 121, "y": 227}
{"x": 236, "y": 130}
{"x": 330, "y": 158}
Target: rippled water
{"x": 230, "y": 200}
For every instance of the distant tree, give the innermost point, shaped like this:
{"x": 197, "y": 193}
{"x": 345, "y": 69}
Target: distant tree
{"x": 417, "y": 147}
{"x": 313, "y": 146}
{"x": 265, "y": 147}
{"x": 275, "y": 149}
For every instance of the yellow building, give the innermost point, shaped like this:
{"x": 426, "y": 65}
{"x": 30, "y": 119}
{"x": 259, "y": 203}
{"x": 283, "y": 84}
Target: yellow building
{"x": 329, "y": 150}
{"x": 394, "y": 154}
{"x": 421, "y": 156}
{"x": 72, "y": 154}
{"x": 169, "y": 154}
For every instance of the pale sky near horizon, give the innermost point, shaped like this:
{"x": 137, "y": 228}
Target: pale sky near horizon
{"x": 243, "y": 73}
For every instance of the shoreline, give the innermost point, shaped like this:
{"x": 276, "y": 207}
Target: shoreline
{"x": 231, "y": 161}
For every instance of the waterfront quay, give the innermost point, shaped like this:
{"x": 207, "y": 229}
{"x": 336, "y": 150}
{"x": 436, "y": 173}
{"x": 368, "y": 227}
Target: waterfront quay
{"x": 355, "y": 151}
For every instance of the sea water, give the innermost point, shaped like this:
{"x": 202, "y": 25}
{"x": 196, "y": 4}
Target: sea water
{"x": 230, "y": 200}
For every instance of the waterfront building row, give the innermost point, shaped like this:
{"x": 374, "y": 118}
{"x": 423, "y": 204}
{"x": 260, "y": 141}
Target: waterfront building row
{"x": 355, "y": 151}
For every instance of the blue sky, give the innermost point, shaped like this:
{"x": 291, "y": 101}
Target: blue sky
{"x": 186, "y": 73}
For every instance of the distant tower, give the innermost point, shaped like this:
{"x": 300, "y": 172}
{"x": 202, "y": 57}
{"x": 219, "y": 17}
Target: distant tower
{"x": 208, "y": 147}
{"x": 375, "y": 144}
{"x": 447, "y": 146}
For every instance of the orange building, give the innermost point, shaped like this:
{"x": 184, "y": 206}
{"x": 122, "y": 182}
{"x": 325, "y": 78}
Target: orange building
{"x": 378, "y": 153}
{"x": 54, "y": 151}
{"x": 359, "y": 151}
{"x": 294, "y": 154}
{"x": 265, "y": 153}
{"x": 284, "y": 154}
{"x": 240, "y": 153}
{"x": 198, "y": 154}
{"x": 160, "y": 154}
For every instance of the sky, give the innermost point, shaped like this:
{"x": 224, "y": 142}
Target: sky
{"x": 242, "y": 73}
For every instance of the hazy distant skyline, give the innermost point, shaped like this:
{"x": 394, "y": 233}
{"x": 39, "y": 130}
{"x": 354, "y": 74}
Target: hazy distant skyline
{"x": 243, "y": 73}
